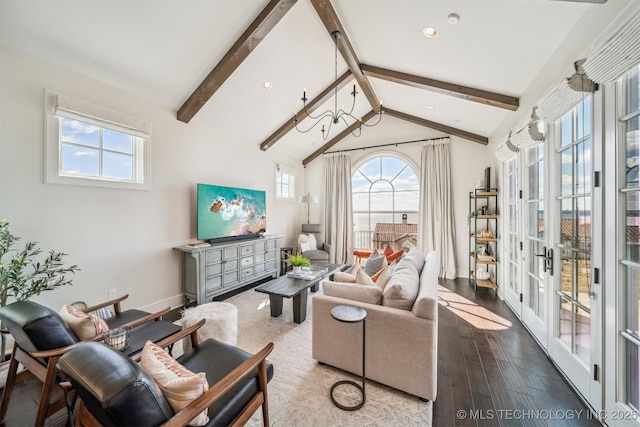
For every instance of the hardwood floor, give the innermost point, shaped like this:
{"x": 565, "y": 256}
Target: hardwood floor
{"x": 490, "y": 371}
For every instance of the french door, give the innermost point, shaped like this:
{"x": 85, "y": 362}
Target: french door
{"x": 512, "y": 251}
{"x": 576, "y": 318}
{"x": 535, "y": 277}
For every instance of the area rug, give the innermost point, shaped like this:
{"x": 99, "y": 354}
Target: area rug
{"x": 299, "y": 391}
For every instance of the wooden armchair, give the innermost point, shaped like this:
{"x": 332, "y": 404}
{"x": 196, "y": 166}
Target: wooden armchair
{"x": 115, "y": 390}
{"x": 41, "y": 337}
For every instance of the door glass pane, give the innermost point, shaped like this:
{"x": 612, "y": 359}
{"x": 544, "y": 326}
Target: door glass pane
{"x": 583, "y": 221}
{"x": 567, "y": 222}
{"x": 633, "y": 227}
{"x": 536, "y": 220}
{"x": 582, "y": 338}
{"x": 566, "y": 321}
{"x": 583, "y": 274}
{"x": 632, "y": 143}
{"x": 566, "y": 162}
{"x": 633, "y": 303}
{"x": 583, "y": 167}
{"x": 632, "y": 368}
{"x": 567, "y": 277}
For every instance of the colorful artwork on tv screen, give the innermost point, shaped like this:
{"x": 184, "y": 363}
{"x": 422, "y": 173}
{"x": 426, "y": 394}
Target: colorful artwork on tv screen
{"x": 226, "y": 212}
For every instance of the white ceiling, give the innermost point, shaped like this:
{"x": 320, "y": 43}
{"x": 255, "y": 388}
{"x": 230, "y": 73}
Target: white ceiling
{"x": 161, "y": 50}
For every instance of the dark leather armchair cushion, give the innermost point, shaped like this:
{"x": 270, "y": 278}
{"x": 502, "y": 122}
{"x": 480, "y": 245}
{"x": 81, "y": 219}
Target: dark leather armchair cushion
{"x": 36, "y": 327}
{"x": 216, "y": 359}
{"x": 114, "y": 388}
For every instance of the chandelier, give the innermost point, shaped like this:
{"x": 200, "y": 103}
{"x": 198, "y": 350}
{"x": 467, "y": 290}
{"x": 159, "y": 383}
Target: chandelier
{"x": 336, "y": 115}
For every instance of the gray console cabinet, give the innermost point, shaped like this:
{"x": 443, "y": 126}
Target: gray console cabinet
{"x": 211, "y": 271}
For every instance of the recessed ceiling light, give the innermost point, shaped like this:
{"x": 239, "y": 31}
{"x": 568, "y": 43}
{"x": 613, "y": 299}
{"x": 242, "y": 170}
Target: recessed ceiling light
{"x": 431, "y": 107}
{"x": 453, "y": 18}
{"x": 267, "y": 85}
{"x": 430, "y": 32}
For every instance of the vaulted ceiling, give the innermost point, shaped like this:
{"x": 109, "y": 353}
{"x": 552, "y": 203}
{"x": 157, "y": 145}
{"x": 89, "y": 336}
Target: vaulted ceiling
{"x": 207, "y": 59}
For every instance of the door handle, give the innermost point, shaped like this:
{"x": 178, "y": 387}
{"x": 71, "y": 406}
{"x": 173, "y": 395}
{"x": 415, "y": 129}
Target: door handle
{"x": 543, "y": 255}
{"x": 548, "y": 259}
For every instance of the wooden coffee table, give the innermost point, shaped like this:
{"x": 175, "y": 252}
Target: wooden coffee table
{"x": 287, "y": 287}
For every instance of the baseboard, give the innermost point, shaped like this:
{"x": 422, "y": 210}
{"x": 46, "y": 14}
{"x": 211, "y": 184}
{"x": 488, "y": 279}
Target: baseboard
{"x": 174, "y": 302}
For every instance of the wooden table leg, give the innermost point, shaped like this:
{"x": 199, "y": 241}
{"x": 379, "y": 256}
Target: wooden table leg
{"x": 315, "y": 287}
{"x": 300, "y": 307}
{"x": 275, "y": 302}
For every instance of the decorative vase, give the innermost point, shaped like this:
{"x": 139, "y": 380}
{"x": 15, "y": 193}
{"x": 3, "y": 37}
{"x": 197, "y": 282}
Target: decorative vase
{"x": 297, "y": 269}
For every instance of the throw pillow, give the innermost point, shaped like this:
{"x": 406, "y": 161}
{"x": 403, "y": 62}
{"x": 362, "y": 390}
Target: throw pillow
{"x": 375, "y": 263}
{"x": 382, "y": 277}
{"x": 85, "y": 326}
{"x": 345, "y": 277}
{"x": 179, "y": 385}
{"x": 303, "y": 242}
{"x": 363, "y": 278}
{"x": 394, "y": 256}
{"x": 312, "y": 242}
{"x": 388, "y": 251}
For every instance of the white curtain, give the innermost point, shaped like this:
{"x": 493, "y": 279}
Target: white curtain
{"x": 338, "y": 212}
{"x": 436, "y": 226}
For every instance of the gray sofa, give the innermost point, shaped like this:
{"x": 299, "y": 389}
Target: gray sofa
{"x": 401, "y": 327}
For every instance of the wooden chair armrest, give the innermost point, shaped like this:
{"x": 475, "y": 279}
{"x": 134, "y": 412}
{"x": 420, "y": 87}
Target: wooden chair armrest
{"x": 219, "y": 389}
{"x": 114, "y": 302}
{"x": 171, "y": 339}
{"x": 4, "y": 331}
{"x": 57, "y": 352}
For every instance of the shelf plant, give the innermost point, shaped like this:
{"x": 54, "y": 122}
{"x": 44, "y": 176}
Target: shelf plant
{"x": 23, "y": 276}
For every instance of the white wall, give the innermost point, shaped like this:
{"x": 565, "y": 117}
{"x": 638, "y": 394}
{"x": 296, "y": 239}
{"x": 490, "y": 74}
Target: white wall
{"x": 468, "y": 161}
{"x": 121, "y": 239}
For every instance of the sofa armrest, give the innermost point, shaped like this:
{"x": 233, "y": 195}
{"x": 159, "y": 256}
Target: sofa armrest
{"x": 326, "y": 247}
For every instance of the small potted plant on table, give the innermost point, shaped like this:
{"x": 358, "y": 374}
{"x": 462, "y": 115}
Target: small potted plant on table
{"x": 297, "y": 261}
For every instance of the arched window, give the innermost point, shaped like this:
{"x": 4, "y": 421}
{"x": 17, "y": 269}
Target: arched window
{"x": 386, "y": 194}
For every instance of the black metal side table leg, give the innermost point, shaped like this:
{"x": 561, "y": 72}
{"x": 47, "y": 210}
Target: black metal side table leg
{"x": 351, "y": 314}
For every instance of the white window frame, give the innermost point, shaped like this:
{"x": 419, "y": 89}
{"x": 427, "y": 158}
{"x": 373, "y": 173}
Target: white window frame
{"x": 58, "y": 106}
{"x": 281, "y": 171}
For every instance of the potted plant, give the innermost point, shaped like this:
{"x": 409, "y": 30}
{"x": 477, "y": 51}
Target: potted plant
{"x": 297, "y": 261}
{"x": 23, "y": 276}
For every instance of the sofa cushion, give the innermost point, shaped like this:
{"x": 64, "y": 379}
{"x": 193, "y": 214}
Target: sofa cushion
{"x": 371, "y": 294}
{"x": 417, "y": 257}
{"x": 426, "y": 305}
{"x": 403, "y": 285}
{"x": 374, "y": 263}
{"x": 179, "y": 385}
{"x": 85, "y": 326}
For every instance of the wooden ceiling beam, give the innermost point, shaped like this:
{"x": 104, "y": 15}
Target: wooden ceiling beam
{"x": 253, "y": 35}
{"x": 338, "y": 137}
{"x": 437, "y": 126}
{"x": 329, "y": 18}
{"x": 463, "y": 92}
{"x": 311, "y": 107}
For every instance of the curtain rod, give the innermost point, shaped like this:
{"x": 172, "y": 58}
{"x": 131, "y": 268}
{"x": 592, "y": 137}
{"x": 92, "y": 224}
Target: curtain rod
{"x": 384, "y": 145}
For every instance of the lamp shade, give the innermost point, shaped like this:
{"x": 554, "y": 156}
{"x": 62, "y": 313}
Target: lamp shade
{"x": 308, "y": 199}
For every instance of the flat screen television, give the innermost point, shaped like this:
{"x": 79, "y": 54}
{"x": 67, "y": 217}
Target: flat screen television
{"x": 228, "y": 213}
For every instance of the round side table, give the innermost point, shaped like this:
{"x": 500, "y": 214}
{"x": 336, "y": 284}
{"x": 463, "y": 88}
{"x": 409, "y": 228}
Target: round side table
{"x": 351, "y": 314}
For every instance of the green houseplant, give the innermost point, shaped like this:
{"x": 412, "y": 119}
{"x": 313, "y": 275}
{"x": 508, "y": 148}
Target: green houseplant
{"x": 22, "y": 275}
{"x": 297, "y": 261}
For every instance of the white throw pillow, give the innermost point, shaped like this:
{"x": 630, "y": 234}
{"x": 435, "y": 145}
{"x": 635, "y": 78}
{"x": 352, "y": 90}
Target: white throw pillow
{"x": 307, "y": 242}
{"x": 179, "y": 385}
